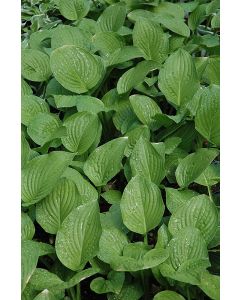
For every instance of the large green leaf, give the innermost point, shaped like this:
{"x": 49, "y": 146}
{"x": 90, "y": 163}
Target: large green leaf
{"x": 210, "y": 176}
{"x": 112, "y": 18}
{"x": 82, "y": 129}
{"x": 146, "y": 161}
{"x": 41, "y": 174}
{"x": 210, "y": 284}
{"x": 193, "y": 165}
{"x": 199, "y": 212}
{"x": 43, "y": 127}
{"x": 51, "y": 212}
{"x": 27, "y": 227}
{"x": 79, "y": 74}
{"x": 25, "y": 88}
{"x": 149, "y": 37}
{"x": 35, "y": 65}
{"x": 178, "y": 79}
{"x": 32, "y": 105}
{"x": 74, "y": 9}
{"x": 145, "y": 108}
{"x": 105, "y": 161}
{"x": 207, "y": 120}
{"x": 133, "y": 291}
{"x": 69, "y": 35}
{"x": 141, "y": 205}
{"x": 108, "y": 42}
{"x": 78, "y": 238}
{"x": 168, "y": 295}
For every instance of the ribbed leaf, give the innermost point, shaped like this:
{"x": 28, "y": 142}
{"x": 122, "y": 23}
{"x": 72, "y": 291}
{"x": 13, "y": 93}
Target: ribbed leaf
{"x": 90, "y": 104}
{"x": 186, "y": 245}
{"x": 108, "y": 42}
{"x": 41, "y": 174}
{"x": 210, "y": 176}
{"x": 199, "y": 212}
{"x": 141, "y": 205}
{"x": 112, "y": 18}
{"x": 175, "y": 198}
{"x": 74, "y": 9}
{"x": 79, "y": 74}
{"x": 45, "y": 295}
{"x": 135, "y": 76}
{"x": 193, "y": 165}
{"x": 123, "y": 55}
{"x": 43, "y": 279}
{"x": 145, "y": 108}
{"x": 211, "y": 74}
{"x": 69, "y": 35}
{"x": 113, "y": 284}
{"x": 35, "y": 65}
{"x": 31, "y": 106}
{"x": 133, "y": 291}
{"x": 86, "y": 191}
{"x": 82, "y": 129}
{"x": 112, "y": 196}
{"x": 105, "y": 161}
{"x": 27, "y": 227}
{"x": 197, "y": 16}
{"x": 78, "y": 238}
{"x": 168, "y": 295}
{"x": 147, "y": 162}
{"x": 210, "y": 284}
{"x": 40, "y": 39}
{"x": 26, "y": 152}
{"x": 149, "y": 37}
{"x": 163, "y": 237}
{"x": 178, "y": 79}
{"x": 25, "y": 88}
{"x": 51, "y": 212}
{"x": 111, "y": 244}
{"x": 207, "y": 120}
{"x": 42, "y": 127}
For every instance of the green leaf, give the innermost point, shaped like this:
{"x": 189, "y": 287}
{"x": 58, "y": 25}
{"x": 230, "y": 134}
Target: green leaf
{"x": 147, "y": 162}
{"x": 197, "y": 16}
{"x": 112, "y": 196}
{"x": 69, "y": 35}
{"x": 193, "y": 165}
{"x": 51, "y": 212}
{"x": 149, "y": 37}
{"x": 207, "y": 120}
{"x": 168, "y": 295}
{"x": 31, "y": 106}
{"x": 43, "y": 127}
{"x": 211, "y": 75}
{"x": 27, "y": 227}
{"x": 40, "y": 39}
{"x": 105, "y": 161}
{"x": 78, "y": 238}
{"x": 78, "y": 75}
{"x": 108, "y": 42}
{"x": 111, "y": 244}
{"x": 199, "y": 212}
{"x": 178, "y": 79}
{"x": 122, "y": 55}
{"x": 163, "y": 238}
{"x": 210, "y": 284}
{"x": 26, "y": 153}
{"x": 145, "y": 108}
{"x": 210, "y": 176}
{"x": 113, "y": 218}
{"x": 25, "y": 88}
{"x": 131, "y": 291}
{"x": 135, "y": 76}
{"x": 171, "y": 144}
{"x": 175, "y": 198}
{"x": 43, "y": 279}
{"x": 113, "y": 284}
{"x": 45, "y": 295}
{"x": 141, "y": 205}
{"x": 112, "y": 18}
{"x": 35, "y": 65}
{"x": 82, "y": 129}
{"x": 74, "y": 9}
{"x": 41, "y": 174}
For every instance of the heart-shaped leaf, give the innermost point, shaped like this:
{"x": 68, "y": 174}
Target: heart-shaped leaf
{"x": 74, "y": 9}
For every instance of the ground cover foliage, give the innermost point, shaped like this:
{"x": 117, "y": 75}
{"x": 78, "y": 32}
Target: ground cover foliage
{"x": 120, "y": 150}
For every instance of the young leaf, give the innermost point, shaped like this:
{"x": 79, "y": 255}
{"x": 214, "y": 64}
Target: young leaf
{"x": 31, "y": 106}
{"x": 199, "y": 212}
{"x": 207, "y": 120}
{"x": 145, "y": 108}
{"x": 35, "y": 65}
{"x": 178, "y": 79}
{"x": 78, "y": 238}
{"x": 147, "y": 162}
{"x": 74, "y": 9}
{"x": 193, "y": 165}
{"x": 82, "y": 129}
{"x": 105, "y": 161}
{"x": 51, "y": 212}
{"x": 141, "y": 205}
{"x": 41, "y": 174}
{"x": 149, "y": 37}
{"x": 80, "y": 74}
{"x": 112, "y": 18}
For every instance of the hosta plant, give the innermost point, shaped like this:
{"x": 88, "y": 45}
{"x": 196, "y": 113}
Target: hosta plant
{"x": 120, "y": 150}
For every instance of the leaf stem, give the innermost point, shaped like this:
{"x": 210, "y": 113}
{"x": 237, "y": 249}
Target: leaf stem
{"x": 78, "y": 296}
{"x": 188, "y": 293}
{"x": 72, "y": 293}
